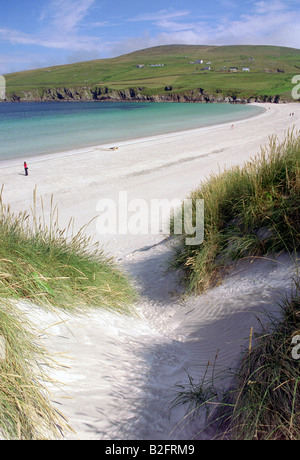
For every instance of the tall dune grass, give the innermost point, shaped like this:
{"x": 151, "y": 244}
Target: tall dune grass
{"x": 248, "y": 211}
{"x": 52, "y": 268}
{"x": 43, "y": 264}
{"x": 263, "y": 400}
{"x": 26, "y": 411}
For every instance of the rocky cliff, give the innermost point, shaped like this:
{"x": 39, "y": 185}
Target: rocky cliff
{"x": 86, "y": 93}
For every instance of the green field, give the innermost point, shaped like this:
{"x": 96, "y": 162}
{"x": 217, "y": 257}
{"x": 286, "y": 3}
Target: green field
{"x": 270, "y": 72}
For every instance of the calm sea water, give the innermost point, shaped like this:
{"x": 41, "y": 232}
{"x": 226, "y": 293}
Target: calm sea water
{"x": 28, "y": 129}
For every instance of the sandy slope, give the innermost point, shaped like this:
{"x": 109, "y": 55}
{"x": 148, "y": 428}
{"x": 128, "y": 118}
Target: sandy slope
{"x": 122, "y": 372}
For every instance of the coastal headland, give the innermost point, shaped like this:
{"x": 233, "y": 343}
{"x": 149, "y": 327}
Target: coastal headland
{"x": 172, "y": 73}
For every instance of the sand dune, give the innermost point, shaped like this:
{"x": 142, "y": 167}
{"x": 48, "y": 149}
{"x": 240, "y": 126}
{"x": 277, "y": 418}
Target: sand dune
{"x": 122, "y": 372}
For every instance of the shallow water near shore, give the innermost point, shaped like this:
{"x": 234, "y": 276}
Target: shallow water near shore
{"x": 28, "y": 129}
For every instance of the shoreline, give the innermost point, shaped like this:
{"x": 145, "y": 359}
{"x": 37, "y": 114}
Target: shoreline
{"x": 163, "y": 166}
{"x": 6, "y": 163}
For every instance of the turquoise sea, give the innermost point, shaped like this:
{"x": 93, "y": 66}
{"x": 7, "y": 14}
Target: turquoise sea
{"x": 28, "y": 129}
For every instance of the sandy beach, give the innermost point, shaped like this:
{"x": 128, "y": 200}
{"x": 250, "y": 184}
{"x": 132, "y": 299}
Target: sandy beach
{"x": 164, "y": 167}
{"x": 121, "y": 373}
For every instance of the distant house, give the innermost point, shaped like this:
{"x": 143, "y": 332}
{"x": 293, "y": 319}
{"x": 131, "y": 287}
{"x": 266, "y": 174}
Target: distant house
{"x": 245, "y": 69}
{"x": 206, "y": 68}
{"x": 234, "y": 69}
{"x": 199, "y": 61}
{"x": 140, "y": 66}
{"x": 157, "y": 65}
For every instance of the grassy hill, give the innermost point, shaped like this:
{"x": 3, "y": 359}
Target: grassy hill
{"x": 175, "y": 69}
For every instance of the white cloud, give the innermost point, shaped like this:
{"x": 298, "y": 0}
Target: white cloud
{"x": 262, "y": 28}
{"x": 65, "y": 15}
{"x": 16, "y": 37}
{"x": 54, "y": 41}
{"x": 156, "y": 16}
{"x": 266, "y": 7}
{"x": 65, "y": 25}
{"x": 100, "y": 24}
{"x": 268, "y": 22}
{"x": 62, "y": 19}
{"x": 173, "y": 26}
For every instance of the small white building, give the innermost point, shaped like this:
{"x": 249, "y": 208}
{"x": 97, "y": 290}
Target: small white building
{"x": 245, "y": 69}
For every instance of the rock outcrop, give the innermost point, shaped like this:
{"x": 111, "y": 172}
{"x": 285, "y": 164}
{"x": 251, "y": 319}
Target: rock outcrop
{"x": 100, "y": 93}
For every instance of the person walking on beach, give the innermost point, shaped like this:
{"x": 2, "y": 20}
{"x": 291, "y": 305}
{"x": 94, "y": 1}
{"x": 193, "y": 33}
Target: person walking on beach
{"x": 26, "y": 168}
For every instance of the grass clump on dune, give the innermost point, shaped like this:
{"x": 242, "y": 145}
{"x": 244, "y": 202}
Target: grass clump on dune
{"x": 248, "y": 211}
{"x": 47, "y": 266}
{"x": 26, "y": 412}
{"x": 252, "y": 211}
{"x": 266, "y": 404}
{"x": 43, "y": 265}
{"x": 263, "y": 398}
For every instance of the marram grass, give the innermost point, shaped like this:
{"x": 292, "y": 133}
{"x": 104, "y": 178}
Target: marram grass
{"x": 263, "y": 400}
{"x": 267, "y": 402}
{"x": 251, "y": 211}
{"x": 248, "y": 211}
{"x": 26, "y": 411}
{"x": 52, "y": 268}
{"x": 43, "y": 264}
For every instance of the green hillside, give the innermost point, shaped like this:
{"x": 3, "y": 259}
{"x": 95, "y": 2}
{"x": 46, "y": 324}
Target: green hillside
{"x": 172, "y": 69}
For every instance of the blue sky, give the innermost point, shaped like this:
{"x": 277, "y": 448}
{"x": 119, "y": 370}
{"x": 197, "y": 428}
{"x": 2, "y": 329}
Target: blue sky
{"x": 38, "y": 33}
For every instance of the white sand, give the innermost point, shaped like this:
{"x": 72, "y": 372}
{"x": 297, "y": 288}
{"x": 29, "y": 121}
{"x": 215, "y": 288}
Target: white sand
{"x": 123, "y": 371}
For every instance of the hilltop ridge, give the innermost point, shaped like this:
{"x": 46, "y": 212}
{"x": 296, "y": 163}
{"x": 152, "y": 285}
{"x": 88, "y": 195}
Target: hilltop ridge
{"x": 192, "y": 73}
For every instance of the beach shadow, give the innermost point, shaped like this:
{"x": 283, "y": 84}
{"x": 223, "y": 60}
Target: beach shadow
{"x": 214, "y": 325}
{"x": 150, "y": 268}
{"x": 168, "y": 365}
{"x": 142, "y": 369}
